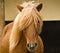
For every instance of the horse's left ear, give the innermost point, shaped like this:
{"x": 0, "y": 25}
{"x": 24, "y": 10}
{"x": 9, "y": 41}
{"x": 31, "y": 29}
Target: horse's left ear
{"x": 19, "y": 7}
{"x": 39, "y": 7}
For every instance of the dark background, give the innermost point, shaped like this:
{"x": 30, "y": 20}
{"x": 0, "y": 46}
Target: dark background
{"x": 50, "y": 36}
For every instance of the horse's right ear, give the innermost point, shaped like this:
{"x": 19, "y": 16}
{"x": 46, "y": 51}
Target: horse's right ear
{"x": 19, "y": 7}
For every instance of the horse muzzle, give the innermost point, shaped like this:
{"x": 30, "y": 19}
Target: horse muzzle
{"x": 32, "y": 47}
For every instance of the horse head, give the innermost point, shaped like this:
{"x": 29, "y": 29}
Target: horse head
{"x": 30, "y": 23}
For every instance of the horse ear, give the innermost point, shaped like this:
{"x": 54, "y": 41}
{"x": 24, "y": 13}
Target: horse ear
{"x": 39, "y": 7}
{"x": 19, "y": 7}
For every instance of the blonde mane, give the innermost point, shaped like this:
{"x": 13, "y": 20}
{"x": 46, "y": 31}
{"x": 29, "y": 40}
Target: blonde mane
{"x": 23, "y": 20}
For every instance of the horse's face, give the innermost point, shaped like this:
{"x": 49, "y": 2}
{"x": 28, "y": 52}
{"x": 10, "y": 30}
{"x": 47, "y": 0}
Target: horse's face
{"x": 30, "y": 27}
{"x": 31, "y": 38}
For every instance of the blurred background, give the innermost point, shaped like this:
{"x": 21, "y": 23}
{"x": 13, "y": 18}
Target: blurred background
{"x": 50, "y": 9}
{"x": 51, "y": 18}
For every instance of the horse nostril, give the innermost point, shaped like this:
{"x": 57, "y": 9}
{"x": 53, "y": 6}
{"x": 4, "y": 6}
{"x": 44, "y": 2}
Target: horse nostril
{"x": 28, "y": 45}
{"x": 35, "y": 44}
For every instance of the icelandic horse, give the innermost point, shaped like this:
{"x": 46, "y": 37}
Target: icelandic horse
{"x": 22, "y": 35}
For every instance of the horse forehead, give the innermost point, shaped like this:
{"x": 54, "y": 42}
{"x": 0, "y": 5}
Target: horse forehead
{"x": 27, "y": 10}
